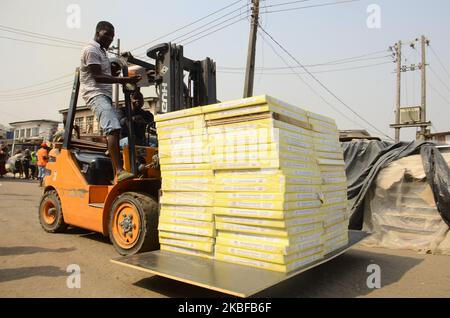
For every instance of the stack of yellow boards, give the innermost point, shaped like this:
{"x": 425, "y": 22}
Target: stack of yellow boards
{"x": 255, "y": 181}
{"x": 186, "y": 223}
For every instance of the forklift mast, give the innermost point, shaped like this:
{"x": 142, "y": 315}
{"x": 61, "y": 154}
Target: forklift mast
{"x": 175, "y": 90}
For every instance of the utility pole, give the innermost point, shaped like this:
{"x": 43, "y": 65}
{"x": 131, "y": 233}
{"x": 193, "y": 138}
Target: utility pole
{"x": 398, "y": 53}
{"x": 116, "y": 92}
{"x": 250, "y": 69}
{"x": 423, "y": 134}
{"x": 411, "y": 116}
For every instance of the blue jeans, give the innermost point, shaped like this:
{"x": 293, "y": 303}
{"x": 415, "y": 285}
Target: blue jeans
{"x": 107, "y": 116}
{"x": 41, "y": 174}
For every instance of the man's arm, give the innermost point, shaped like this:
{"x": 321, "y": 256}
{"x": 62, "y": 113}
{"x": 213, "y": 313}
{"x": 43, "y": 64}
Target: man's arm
{"x": 96, "y": 71}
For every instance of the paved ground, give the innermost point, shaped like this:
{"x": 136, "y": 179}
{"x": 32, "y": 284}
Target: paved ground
{"x": 33, "y": 263}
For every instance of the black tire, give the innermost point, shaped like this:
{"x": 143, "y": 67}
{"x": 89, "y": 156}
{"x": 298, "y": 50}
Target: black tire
{"x": 143, "y": 237}
{"x": 50, "y": 213}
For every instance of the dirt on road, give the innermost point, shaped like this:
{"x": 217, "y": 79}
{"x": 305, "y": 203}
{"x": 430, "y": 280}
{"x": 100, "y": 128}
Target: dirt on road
{"x": 34, "y": 263}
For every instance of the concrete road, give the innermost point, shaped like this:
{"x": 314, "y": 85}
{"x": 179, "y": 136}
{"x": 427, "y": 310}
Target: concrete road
{"x": 34, "y": 263}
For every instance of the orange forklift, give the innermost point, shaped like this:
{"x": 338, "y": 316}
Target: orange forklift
{"x": 78, "y": 186}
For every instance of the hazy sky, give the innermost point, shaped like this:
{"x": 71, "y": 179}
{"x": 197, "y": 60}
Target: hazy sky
{"x": 312, "y": 35}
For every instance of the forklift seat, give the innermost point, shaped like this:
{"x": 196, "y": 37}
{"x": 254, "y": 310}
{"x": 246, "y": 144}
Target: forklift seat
{"x": 96, "y": 167}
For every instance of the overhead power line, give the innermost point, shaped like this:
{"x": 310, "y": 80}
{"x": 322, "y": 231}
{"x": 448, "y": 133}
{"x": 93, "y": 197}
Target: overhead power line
{"x": 37, "y": 84}
{"x": 311, "y": 6}
{"x": 439, "y": 60}
{"x": 196, "y": 37}
{"x": 324, "y": 86}
{"x": 187, "y": 25}
{"x": 333, "y": 62}
{"x": 261, "y": 70}
{"x": 32, "y": 92}
{"x": 294, "y": 72}
{"x": 41, "y": 43}
{"x": 40, "y": 35}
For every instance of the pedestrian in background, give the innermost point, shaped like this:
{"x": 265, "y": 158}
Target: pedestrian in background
{"x": 33, "y": 166}
{"x": 3, "y": 158}
{"x": 42, "y": 159}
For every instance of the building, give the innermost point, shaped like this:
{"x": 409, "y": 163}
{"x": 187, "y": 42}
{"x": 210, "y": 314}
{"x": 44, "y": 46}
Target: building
{"x": 87, "y": 122}
{"x": 4, "y": 132}
{"x": 441, "y": 137}
{"x": 31, "y": 133}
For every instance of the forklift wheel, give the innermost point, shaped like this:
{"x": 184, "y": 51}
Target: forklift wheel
{"x": 133, "y": 223}
{"x": 50, "y": 213}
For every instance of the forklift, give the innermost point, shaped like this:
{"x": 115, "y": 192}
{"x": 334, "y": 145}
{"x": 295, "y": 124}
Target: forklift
{"x": 79, "y": 190}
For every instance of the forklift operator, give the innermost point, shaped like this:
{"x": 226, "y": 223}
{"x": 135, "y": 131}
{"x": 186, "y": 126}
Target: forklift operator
{"x": 96, "y": 89}
{"x": 142, "y": 119}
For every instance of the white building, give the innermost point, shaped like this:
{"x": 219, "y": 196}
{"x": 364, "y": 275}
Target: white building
{"x": 3, "y": 132}
{"x": 31, "y": 133}
{"x": 441, "y": 137}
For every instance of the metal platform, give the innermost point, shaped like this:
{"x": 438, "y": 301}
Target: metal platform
{"x": 227, "y": 278}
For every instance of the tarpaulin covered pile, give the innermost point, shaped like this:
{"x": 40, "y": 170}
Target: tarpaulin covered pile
{"x": 400, "y": 193}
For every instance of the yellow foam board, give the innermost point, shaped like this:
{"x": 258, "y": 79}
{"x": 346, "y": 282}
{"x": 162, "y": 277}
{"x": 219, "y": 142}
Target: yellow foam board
{"x": 188, "y": 166}
{"x": 321, "y": 118}
{"x": 329, "y": 155}
{"x": 270, "y": 222}
{"x": 186, "y": 237}
{"x": 184, "y": 142}
{"x": 266, "y": 205}
{"x": 267, "y": 214}
{"x": 180, "y": 132}
{"x": 187, "y": 251}
{"x": 208, "y": 217}
{"x": 178, "y": 114}
{"x": 328, "y": 180}
{"x": 333, "y": 187}
{"x": 277, "y": 258}
{"x": 271, "y": 147}
{"x": 283, "y": 188}
{"x": 268, "y": 231}
{"x": 187, "y": 208}
{"x": 188, "y": 184}
{"x": 262, "y": 156}
{"x": 267, "y": 123}
{"x": 327, "y": 167}
{"x": 196, "y": 158}
{"x": 255, "y": 100}
{"x": 294, "y": 113}
{"x": 198, "y": 120}
{"x": 261, "y": 136}
{"x": 264, "y": 196}
{"x": 328, "y": 148}
{"x": 333, "y": 218}
{"x": 267, "y": 265}
{"x": 184, "y": 152}
{"x": 187, "y": 198}
{"x": 192, "y": 245}
{"x": 188, "y": 222}
{"x": 193, "y": 230}
{"x": 301, "y": 243}
{"x": 267, "y": 180}
{"x": 262, "y": 239}
{"x": 188, "y": 173}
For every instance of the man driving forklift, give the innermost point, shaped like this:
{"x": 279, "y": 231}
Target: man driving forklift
{"x": 96, "y": 89}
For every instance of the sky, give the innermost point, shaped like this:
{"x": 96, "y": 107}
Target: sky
{"x": 314, "y": 34}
